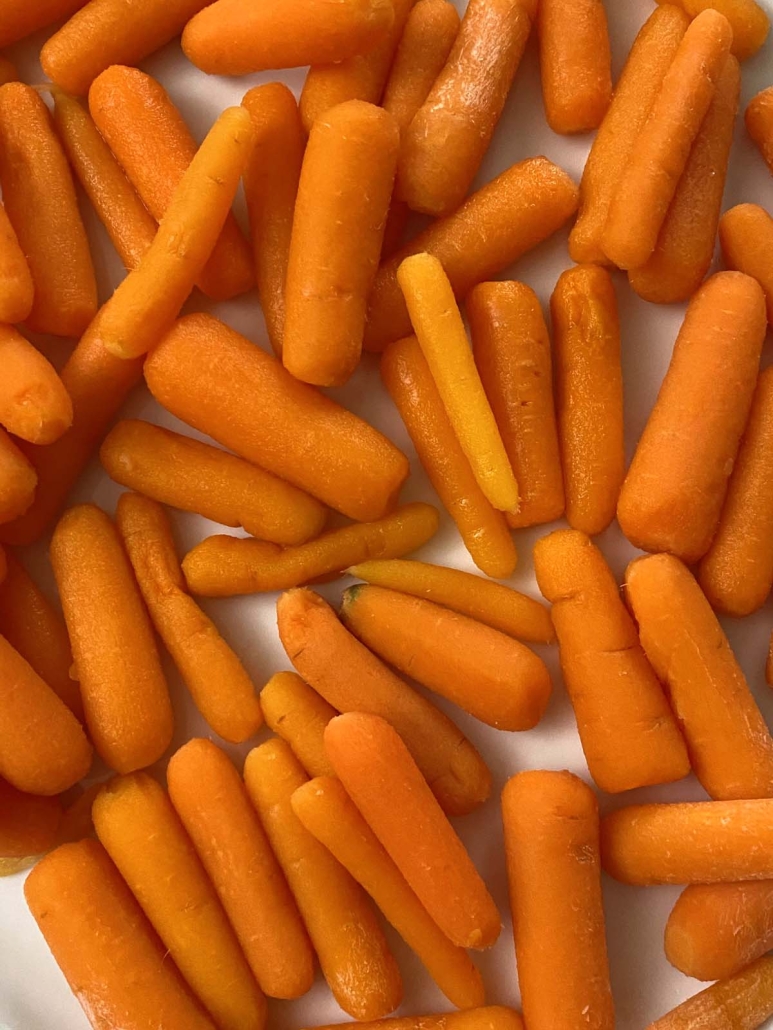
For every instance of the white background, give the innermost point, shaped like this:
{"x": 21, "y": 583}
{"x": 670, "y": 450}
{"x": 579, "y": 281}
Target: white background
{"x": 33, "y": 993}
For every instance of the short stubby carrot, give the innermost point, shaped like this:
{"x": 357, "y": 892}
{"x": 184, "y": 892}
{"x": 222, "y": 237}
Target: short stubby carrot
{"x": 743, "y": 1001}
{"x": 228, "y": 39}
{"x": 29, "y": 823}
{"x": 650, "y": 177}
{"x": 17, "y": 291}
{"x": 34, "y": 404}
{"x": 142, "y": 833}
{"x": 575, "y": 63}
{"x": 507, "y": 217}
{"x": 685, "y": 247}
{"x": 210, "y": 482}
{"x": 270, "y": 188}
{"x": 759, "y": 123}
{"x": 729, "y": 744}
{"x": 551, "y": 822}
{"x": 673, "y": 493}
{"x": 221, "y": 384}
{"x": 490, "y": 1017}
{"x": 125, "y": 696}
{"x": 299, "y": 715}
{"x": 589, "y": 395}
{"x": 221, "y": 566}
{"x": 350, "y": 678}
{"x": 18, "y": 482}
{"x": 448, "y": 137}
{"x": 746, "y": 236}
{"x": 338, "y": 228}
{"x": 353, "y": 953}
{"x": 511, "y": 348}
{"x": 40, "y": 201}
{"x": 388, "y": 788}
{"x": 21, "y": 19}
{"x": 749, "y": 22}
{"x": 327, "y": 812}
{"x": 483, "y": 529}
{"x": 486, "y": 673}
{"x": 210, "y": 799}
{"x": 112, "y": 959}
{"x": 218, "y": 682}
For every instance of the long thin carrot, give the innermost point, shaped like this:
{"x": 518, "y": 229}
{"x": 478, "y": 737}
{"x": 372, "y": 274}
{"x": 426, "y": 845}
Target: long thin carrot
{"x": 34, "y": 404}
{"x": 746, "y": 236}
{"x": 749, "y": 22}
{"x": 21, "y": 19}
{"x": 743, "y": 1001}
{"x": 209, "y": 796}
{"x": 759, "y": 123}
{"x": 551, "y": 822}
{"x": 327, "y": 812}
{"x": 350, "y": 678}
{"x": 353, "y": 953}
{"x": 17, "y": 291}
{"x": 491, "y": 1017}
{"x": 299, "y": 715}
{"x": 28, "y": 823}
{"x": 18, "y": 482}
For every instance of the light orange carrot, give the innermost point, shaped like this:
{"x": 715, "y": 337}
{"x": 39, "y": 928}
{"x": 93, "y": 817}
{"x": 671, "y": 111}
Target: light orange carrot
{"x": 749, "y": 22}
{"x": 759, "y": 123}
{"x": 17, "y": 291}
{"x": 18, "y": 482}
{"x": 743, "y": 1001}
{"x": 28, "y": 823}
{"x": 746, "y": 235}
{"x": 491, "y": 1017}
{"x": 34, "y": 404}
{"x": 21, "y": 19}
{"x": 298, "y": 715}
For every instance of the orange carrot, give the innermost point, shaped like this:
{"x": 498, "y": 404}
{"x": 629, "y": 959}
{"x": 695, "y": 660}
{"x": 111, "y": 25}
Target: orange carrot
{"x": 21, "y": 19}
{"x": 491, "y": 1017}
{"x": 17, "y": 291}
{"x": 749, "y": 22}
{"x": 298, "y": 715}
{"x": 551, "y": 824}
{"x": 34, "y": 404}
{"x": 759, "y": 123}
{"x": 743, "y": 1001}
{"x": 18, "y": 482}
{"x": 350, "y": 678}
{"x": 354, "y": 956}
{"x": 635, "y": 741}
{"x": 28, "y": 823}
{"x": 41, "y": 204}
{"x": 746, "y": 235}
{"x": 672, "y": 496}
{"x": 209, "y": 796}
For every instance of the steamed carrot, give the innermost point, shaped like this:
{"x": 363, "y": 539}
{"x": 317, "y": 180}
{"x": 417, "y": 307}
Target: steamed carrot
{"x": 448, "y": 137}
{"x": 42, "y": 207}
{"x": 746, "y": 236}
{"x": 210, "y": 799}
{"x": 491, "y": 1017}
{"x": 589, "y": 395}
{"x": 388, "y": 788}
{"x": 34, "y": 404}
{"x": 140, "y": 830}
{"x": 743, "y": 1001}
{"x": 299, "y": 715}
{"x": 28, "y": 823}
{"x": 759, "y": 123}
{"x": 749, "y": 22}
{"x": 218, "y": 682}
{"x": 353, "y": 953}
{"x": 270, "y": 187}
{"x": 628, "y": 733}
{"x": 729, "y": 744}
{"x": 113, "y": 961}
{"x": 489, "y": 675}
{"x": 327, "y": 812}
{"x": 154, "y": 146}
{"x": 649, "y": 180}
{"x": 21, "y": 18}
{"x": 506, "y": 218}
{"x": 551, "y": 822}
{"x": 250, "y": 404}
{"x": 211, "y": 482}
{"x": 350, "y": 678}
{"x": 18, "y": 482}
{"x": 685, "y": 247}
{"x": 124, "y": 692}
{"x": 17, "y": 291}
{"x": 672, "y": 496}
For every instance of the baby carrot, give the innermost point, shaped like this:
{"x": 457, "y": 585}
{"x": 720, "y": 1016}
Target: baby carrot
{"x": 440, "y": 331}
{"x": 493, "y": 228}
{"x": 743, "y": 1001}
{"x": 124, "y": 692}
{"x": 673, "y": 493}
{"x": 353, "y": 953}
{"x": 142, "y": 834}
{"x": 746, "y": 236}
{"x": 511, "y": 348}
{"x": 21, "y": 19}
{"x": 589, "y": 395}
{"x": 18, "y": 481}
{"x": 298, "y": 715}
{"x": 210, "y": 799}
{"x": 155, "y": 147}
{"x": 218, "y": 682}
{"x": 350, "y": 678}
{"x": 387, "y": 786}
{"x": 483, "y": 529}
{"x": 489, "y": 675}
{"x": 685, "y": 246}
{"x": 633, "y": 740}
{"x": 650, "y": 177}
{"x": 17, "y": 290}
{"x": 490, "y": 1017}
{"x": 759, "y": 123}
{"x": 551, "y": 822}
{"x": 115, "y": 964}
{"x": 211, "y": 482}
{"x": 327, "y": 812}
{"x": 495, "y": 605}
{"x": 639, "y": 83}
{"x": 575, "y": 63}
{"x": 749, "y": 22}
{"x": 221, "y": 566}
{"x": 728, "y": 741}
{"x": 227, "y": 38}
{"x": 110, "y": 32}
{"x": 34, "y": 404}
{"x": 448, "y": 137}
{"x": 270, "y": 187}
{"x": 41, "y": 204}
{"x": 28, "y": 823}
{"x": 250, "y": 404}
{"x": 338, "y": 228}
